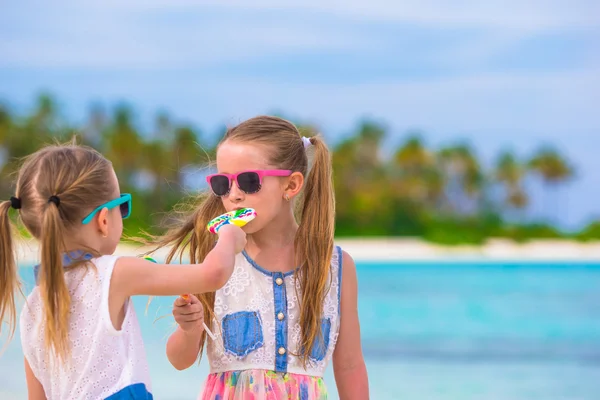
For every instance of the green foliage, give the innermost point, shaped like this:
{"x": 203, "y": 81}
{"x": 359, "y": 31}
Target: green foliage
{"x": 591, "y": 232}
{"x": 443, "y": 195}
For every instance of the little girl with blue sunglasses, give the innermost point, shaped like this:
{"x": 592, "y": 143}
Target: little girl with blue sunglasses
{"x": 79, "y": 331}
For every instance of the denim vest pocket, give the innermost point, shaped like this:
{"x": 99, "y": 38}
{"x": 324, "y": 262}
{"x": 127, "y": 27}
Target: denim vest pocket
{"x": 319, "y": 349}
{"x": 242, "y": 332}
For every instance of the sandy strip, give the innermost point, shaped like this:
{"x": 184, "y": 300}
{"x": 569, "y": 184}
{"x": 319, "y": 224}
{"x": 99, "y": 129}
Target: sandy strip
{"x": 407, "y": 249}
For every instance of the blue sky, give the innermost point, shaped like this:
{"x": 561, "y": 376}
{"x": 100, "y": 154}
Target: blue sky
{"x": 501, "y": 74}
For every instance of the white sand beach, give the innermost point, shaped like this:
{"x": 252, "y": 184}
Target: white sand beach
{"x": 407, "y": 249}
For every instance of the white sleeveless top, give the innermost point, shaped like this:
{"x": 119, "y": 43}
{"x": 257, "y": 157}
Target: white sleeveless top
{"x": 104, "y": 363}
{"x": 257, "y": 317}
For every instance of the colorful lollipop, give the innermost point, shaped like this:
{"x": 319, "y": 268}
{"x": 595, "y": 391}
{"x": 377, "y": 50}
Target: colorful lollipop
{"x": 237, "y": 217}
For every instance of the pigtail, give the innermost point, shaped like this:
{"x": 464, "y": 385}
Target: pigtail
{"x": 53, "y": 288}
{"x": 9, "y": 279}
{"x": 314, "y": 243}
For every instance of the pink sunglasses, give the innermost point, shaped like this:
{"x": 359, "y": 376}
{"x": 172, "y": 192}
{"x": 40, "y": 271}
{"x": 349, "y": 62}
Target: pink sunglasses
{"x": 248, "y": 181}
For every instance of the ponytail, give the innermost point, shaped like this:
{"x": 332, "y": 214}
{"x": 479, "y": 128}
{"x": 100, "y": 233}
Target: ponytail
{"x": 9, "y": 279}
{"x": 53, "y": 288}
{"x": 314, "y": 243}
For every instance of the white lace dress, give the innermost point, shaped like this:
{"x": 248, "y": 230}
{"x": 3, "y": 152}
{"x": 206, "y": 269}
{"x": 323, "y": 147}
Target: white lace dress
{"x": 258, "y": 334}
{"x": 104, "y": 363}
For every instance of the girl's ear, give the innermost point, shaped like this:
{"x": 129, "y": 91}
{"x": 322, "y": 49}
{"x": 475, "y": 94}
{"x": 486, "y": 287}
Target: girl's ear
{"x": 101, "y": 221}
{"x": 294, "y": 185}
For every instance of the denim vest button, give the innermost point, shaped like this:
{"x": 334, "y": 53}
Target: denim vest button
{"x": 281, "y": 351}
{"x": 280, "y": 316}
{"x": 279, "y": 281}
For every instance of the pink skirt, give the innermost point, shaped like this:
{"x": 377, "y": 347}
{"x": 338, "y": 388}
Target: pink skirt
{"x": 257, "y": 384}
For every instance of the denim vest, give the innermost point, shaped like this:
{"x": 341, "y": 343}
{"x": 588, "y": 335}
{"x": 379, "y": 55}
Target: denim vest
{"x": 257, "y": 315}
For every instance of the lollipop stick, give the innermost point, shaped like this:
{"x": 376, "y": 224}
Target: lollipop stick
{"x": 212, "y": 336}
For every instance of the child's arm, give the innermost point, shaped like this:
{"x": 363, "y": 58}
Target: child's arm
{"x": 134, "y": 276}
{"x": 348, "y": 363}
{"x": 35, "y": 389}
{"x": 183, "y": 345}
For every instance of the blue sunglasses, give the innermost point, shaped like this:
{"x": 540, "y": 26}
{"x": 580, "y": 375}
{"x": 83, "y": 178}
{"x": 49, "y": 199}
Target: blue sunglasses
{"x": 123, "y": 202}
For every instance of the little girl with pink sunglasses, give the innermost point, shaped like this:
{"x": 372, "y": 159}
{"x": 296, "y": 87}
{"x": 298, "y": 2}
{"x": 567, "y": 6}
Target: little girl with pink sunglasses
{"x": 290, "y": 305}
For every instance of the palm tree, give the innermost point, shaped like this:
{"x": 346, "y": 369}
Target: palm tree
{"x": 122, "y": 144}
{"x": 463, "y": 175}
{"x": 159, "y": 163}
{"x": 344, "y": 164}
{"x": 510, "y": 173}
{"x": 95, "y": 126}
{"x": 163, "y": 128}
{"x": 39, "y": 128}
{"x": 5, "y": 123}
{"x": 360, "y": 178}
{"x": 552, "y": 168}
{"x": 357, "y": 159}
{"x": 369, "y": 138}
{"x": 415, "y": 175}
{"x": 187, "y": 152}
{"x": 413, "y": 155}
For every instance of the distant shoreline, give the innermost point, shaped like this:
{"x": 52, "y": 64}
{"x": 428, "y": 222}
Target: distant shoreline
{"x": 414, "y": 249}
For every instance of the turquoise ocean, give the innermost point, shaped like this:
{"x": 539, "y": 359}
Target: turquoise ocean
{"x": 443, "y": 330}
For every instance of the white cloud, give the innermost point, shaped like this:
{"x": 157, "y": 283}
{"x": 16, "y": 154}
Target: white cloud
{"x": 97, "y": 39}
{"x": 159, "y": 34}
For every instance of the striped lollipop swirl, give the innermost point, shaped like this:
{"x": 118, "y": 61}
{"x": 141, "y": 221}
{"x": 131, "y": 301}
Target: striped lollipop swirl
{"x": 237, "y": 217}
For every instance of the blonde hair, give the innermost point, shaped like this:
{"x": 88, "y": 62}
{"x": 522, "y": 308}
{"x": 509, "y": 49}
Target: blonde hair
{"x": 10, "y": 284}
{"x": 80, "y": 178}
{"x": 315, "y": 212}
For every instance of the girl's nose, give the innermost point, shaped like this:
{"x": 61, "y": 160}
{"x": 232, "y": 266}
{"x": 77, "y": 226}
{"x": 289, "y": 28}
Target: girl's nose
{"x": 235, "y": 194}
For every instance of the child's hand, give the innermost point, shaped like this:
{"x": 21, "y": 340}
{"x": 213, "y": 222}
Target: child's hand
{"x": 236, "y": 234}
{"x": 189, "y": 314}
